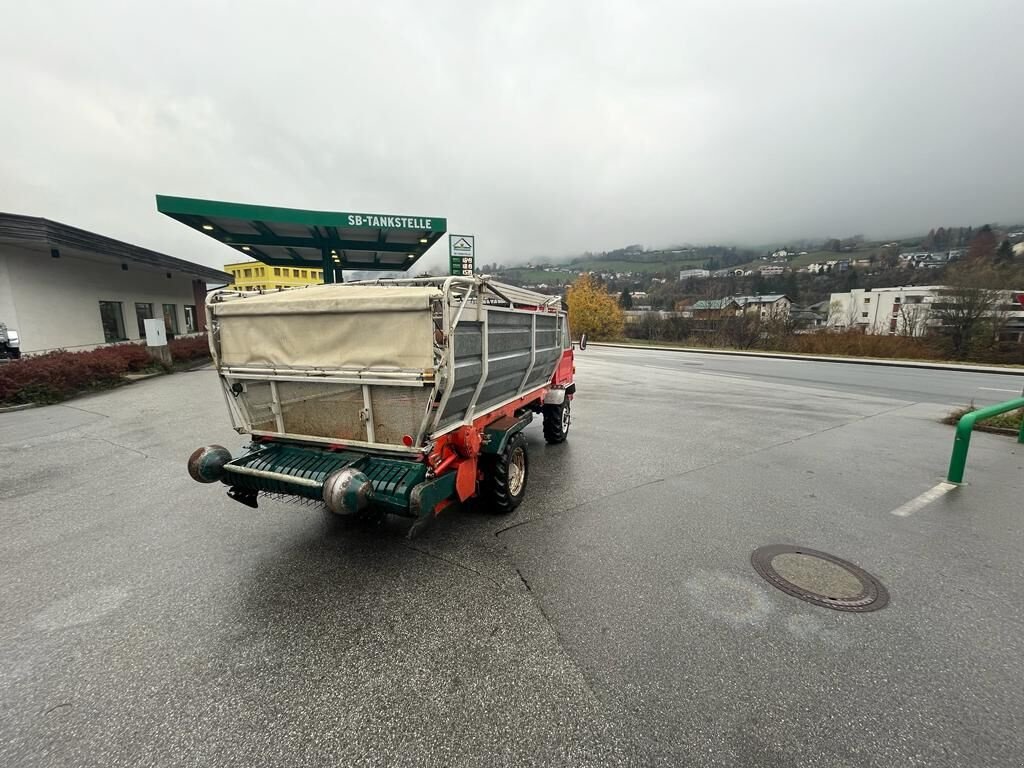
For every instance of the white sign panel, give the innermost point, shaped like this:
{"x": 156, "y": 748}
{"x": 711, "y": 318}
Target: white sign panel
{"x": 156, "y": 332}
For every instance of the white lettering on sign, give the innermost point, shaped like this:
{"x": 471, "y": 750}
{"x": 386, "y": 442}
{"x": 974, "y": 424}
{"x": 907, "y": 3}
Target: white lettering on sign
{"x": 392, "y": 222}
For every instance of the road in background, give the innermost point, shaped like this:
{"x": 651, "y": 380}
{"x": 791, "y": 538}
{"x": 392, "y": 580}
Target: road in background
{"x": 912, "y": 384}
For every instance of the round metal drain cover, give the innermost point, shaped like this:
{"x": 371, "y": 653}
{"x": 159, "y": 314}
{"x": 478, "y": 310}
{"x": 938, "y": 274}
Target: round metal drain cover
{"x": 819, "y": 578}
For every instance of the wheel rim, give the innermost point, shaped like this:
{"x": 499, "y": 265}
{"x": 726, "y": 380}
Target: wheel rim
{"x": 516, "y": 471}
{"x": 565, "y": 418}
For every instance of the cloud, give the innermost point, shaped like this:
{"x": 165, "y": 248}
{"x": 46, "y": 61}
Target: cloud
{"x": 544, "y": 129}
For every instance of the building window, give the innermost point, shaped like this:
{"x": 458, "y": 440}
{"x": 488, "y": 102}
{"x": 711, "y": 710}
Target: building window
{"x": 896, "y": 300}
{"x": 143, "y": 312}
{"x": 112, "y": 318}
{"x": 170, "y": 319}
{"x": 305, "y": 274}
{"x": 191, "y": 326}
{"x": 867, "y": 299}
{"x": 277, "y": 271}
{"x": 247, "y": 272}
{"x": 295, "y": 273}
{"x": 863, "y": 314}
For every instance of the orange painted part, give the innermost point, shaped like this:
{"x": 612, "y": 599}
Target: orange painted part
{"x": 468, "y": 440}
{"x": 465, "y": 481}
{"x": 452, "y": 458}
{"x": 456, "y": 438}
{"x": 442, "y": 505}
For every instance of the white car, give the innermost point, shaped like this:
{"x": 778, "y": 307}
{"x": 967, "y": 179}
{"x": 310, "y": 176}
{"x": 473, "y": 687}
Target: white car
{"x": 10, "y": 343}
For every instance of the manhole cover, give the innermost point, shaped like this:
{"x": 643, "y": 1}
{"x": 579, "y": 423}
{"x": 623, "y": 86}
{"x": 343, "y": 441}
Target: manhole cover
{"x": 819, "y": 578}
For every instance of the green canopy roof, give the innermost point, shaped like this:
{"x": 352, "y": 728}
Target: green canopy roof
{"x": 289, "y": 237}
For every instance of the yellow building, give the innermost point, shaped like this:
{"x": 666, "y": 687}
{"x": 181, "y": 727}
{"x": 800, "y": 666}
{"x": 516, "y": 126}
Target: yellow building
{"x": 253, "y": 276}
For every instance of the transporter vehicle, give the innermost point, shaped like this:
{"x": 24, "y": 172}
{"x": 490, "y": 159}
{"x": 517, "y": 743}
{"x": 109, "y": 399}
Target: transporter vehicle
{"x": 397, "y": 396}
{"x": 391, "y": 396}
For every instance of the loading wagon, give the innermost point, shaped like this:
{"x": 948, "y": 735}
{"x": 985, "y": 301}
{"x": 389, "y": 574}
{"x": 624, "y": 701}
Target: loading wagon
{"x": 398, "y": 396}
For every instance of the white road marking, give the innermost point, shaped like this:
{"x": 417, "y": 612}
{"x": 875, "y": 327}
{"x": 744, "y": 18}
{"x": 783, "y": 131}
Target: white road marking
{"x": 926, "y": 498}
{"x": 996, "y": 389}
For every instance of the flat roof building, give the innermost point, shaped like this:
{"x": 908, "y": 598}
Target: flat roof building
{"x": 66, "y": 288}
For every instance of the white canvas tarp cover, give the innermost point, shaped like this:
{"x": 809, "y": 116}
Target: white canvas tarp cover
{"x": 329, "y": 326}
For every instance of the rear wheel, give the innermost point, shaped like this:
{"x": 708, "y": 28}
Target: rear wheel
{"x": 504, "y": 482}
{"x": 556, "y": 422}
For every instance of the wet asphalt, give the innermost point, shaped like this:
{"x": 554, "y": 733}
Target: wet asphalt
{"x": 614, "y": 619}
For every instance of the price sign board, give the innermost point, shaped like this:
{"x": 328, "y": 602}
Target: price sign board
{"x": 461, "y": 255}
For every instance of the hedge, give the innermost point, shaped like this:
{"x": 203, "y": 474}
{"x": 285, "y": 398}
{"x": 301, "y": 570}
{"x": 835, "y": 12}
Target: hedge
{"x": 189, "y": 348}
{"x": 56, "y": 376}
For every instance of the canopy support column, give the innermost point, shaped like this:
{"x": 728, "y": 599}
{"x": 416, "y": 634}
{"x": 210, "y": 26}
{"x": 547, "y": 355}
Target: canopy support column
{"x": 329, "y": 267}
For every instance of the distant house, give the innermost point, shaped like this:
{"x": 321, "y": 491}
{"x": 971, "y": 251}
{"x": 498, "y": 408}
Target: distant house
{"x": 772, "y": 270}
{"x": 773, "y": 306}
{"x": 710, "y": 309}
{"x": 810, "y": 318}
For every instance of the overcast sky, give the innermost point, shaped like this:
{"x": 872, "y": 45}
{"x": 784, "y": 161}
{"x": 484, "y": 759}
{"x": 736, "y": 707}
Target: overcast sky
{"x": 544, "y": 128}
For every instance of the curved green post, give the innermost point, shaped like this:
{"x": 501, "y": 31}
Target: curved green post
{"x": 962, "y": 439}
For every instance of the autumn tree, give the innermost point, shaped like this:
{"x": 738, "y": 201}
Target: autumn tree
{"x": 594, "y": 311}
{"x": 983, "y": 245}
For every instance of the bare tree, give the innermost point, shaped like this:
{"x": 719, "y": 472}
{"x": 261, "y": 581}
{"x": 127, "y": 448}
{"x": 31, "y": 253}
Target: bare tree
{"x": 836, "y": 315}
{"x": 912, "y": 319}
{"x": 966, "y": 307}
{"x": 852, "y": 314}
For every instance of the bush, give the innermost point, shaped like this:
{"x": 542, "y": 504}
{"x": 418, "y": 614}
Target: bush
{"x": 56, "y": 376}
{"x": 1004, "y": 423}
{"x": 857, "y": 344}
{"x": 189, "y": 348}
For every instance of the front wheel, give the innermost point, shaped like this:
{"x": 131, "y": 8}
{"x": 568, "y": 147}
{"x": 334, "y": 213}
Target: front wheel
{"x": 504, "y": 482}
{"x": 556, "y": 422}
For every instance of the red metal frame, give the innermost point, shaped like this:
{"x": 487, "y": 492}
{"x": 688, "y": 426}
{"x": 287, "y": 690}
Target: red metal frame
{"x": 459, "y": 450}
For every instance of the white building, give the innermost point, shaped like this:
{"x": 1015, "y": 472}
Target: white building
{"x": 686, "y": 274}
{"x": 774, "y": 306}
{"x": 65, "y": 288}
{"x": 772, "y": 270}
{"x": 907, "y": 310}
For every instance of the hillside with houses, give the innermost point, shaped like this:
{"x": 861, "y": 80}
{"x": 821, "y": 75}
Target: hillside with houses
{"x": 743, "y": 297}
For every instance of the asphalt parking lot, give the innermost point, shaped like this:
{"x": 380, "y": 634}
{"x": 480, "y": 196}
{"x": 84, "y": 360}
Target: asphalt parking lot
{"x": 614, "y": 619}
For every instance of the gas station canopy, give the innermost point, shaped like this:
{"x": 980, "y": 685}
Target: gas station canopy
{"x": 290, "y": 237}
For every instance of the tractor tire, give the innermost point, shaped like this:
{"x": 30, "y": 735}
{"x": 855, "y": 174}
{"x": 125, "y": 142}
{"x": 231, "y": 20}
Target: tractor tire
{"x": 505, "y": 476}
{"x": 556, "y": 422}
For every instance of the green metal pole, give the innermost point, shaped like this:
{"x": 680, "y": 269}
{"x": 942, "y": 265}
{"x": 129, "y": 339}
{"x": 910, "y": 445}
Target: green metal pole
{"x": 328, "y": 264}
{"x": 961, "y": 442}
